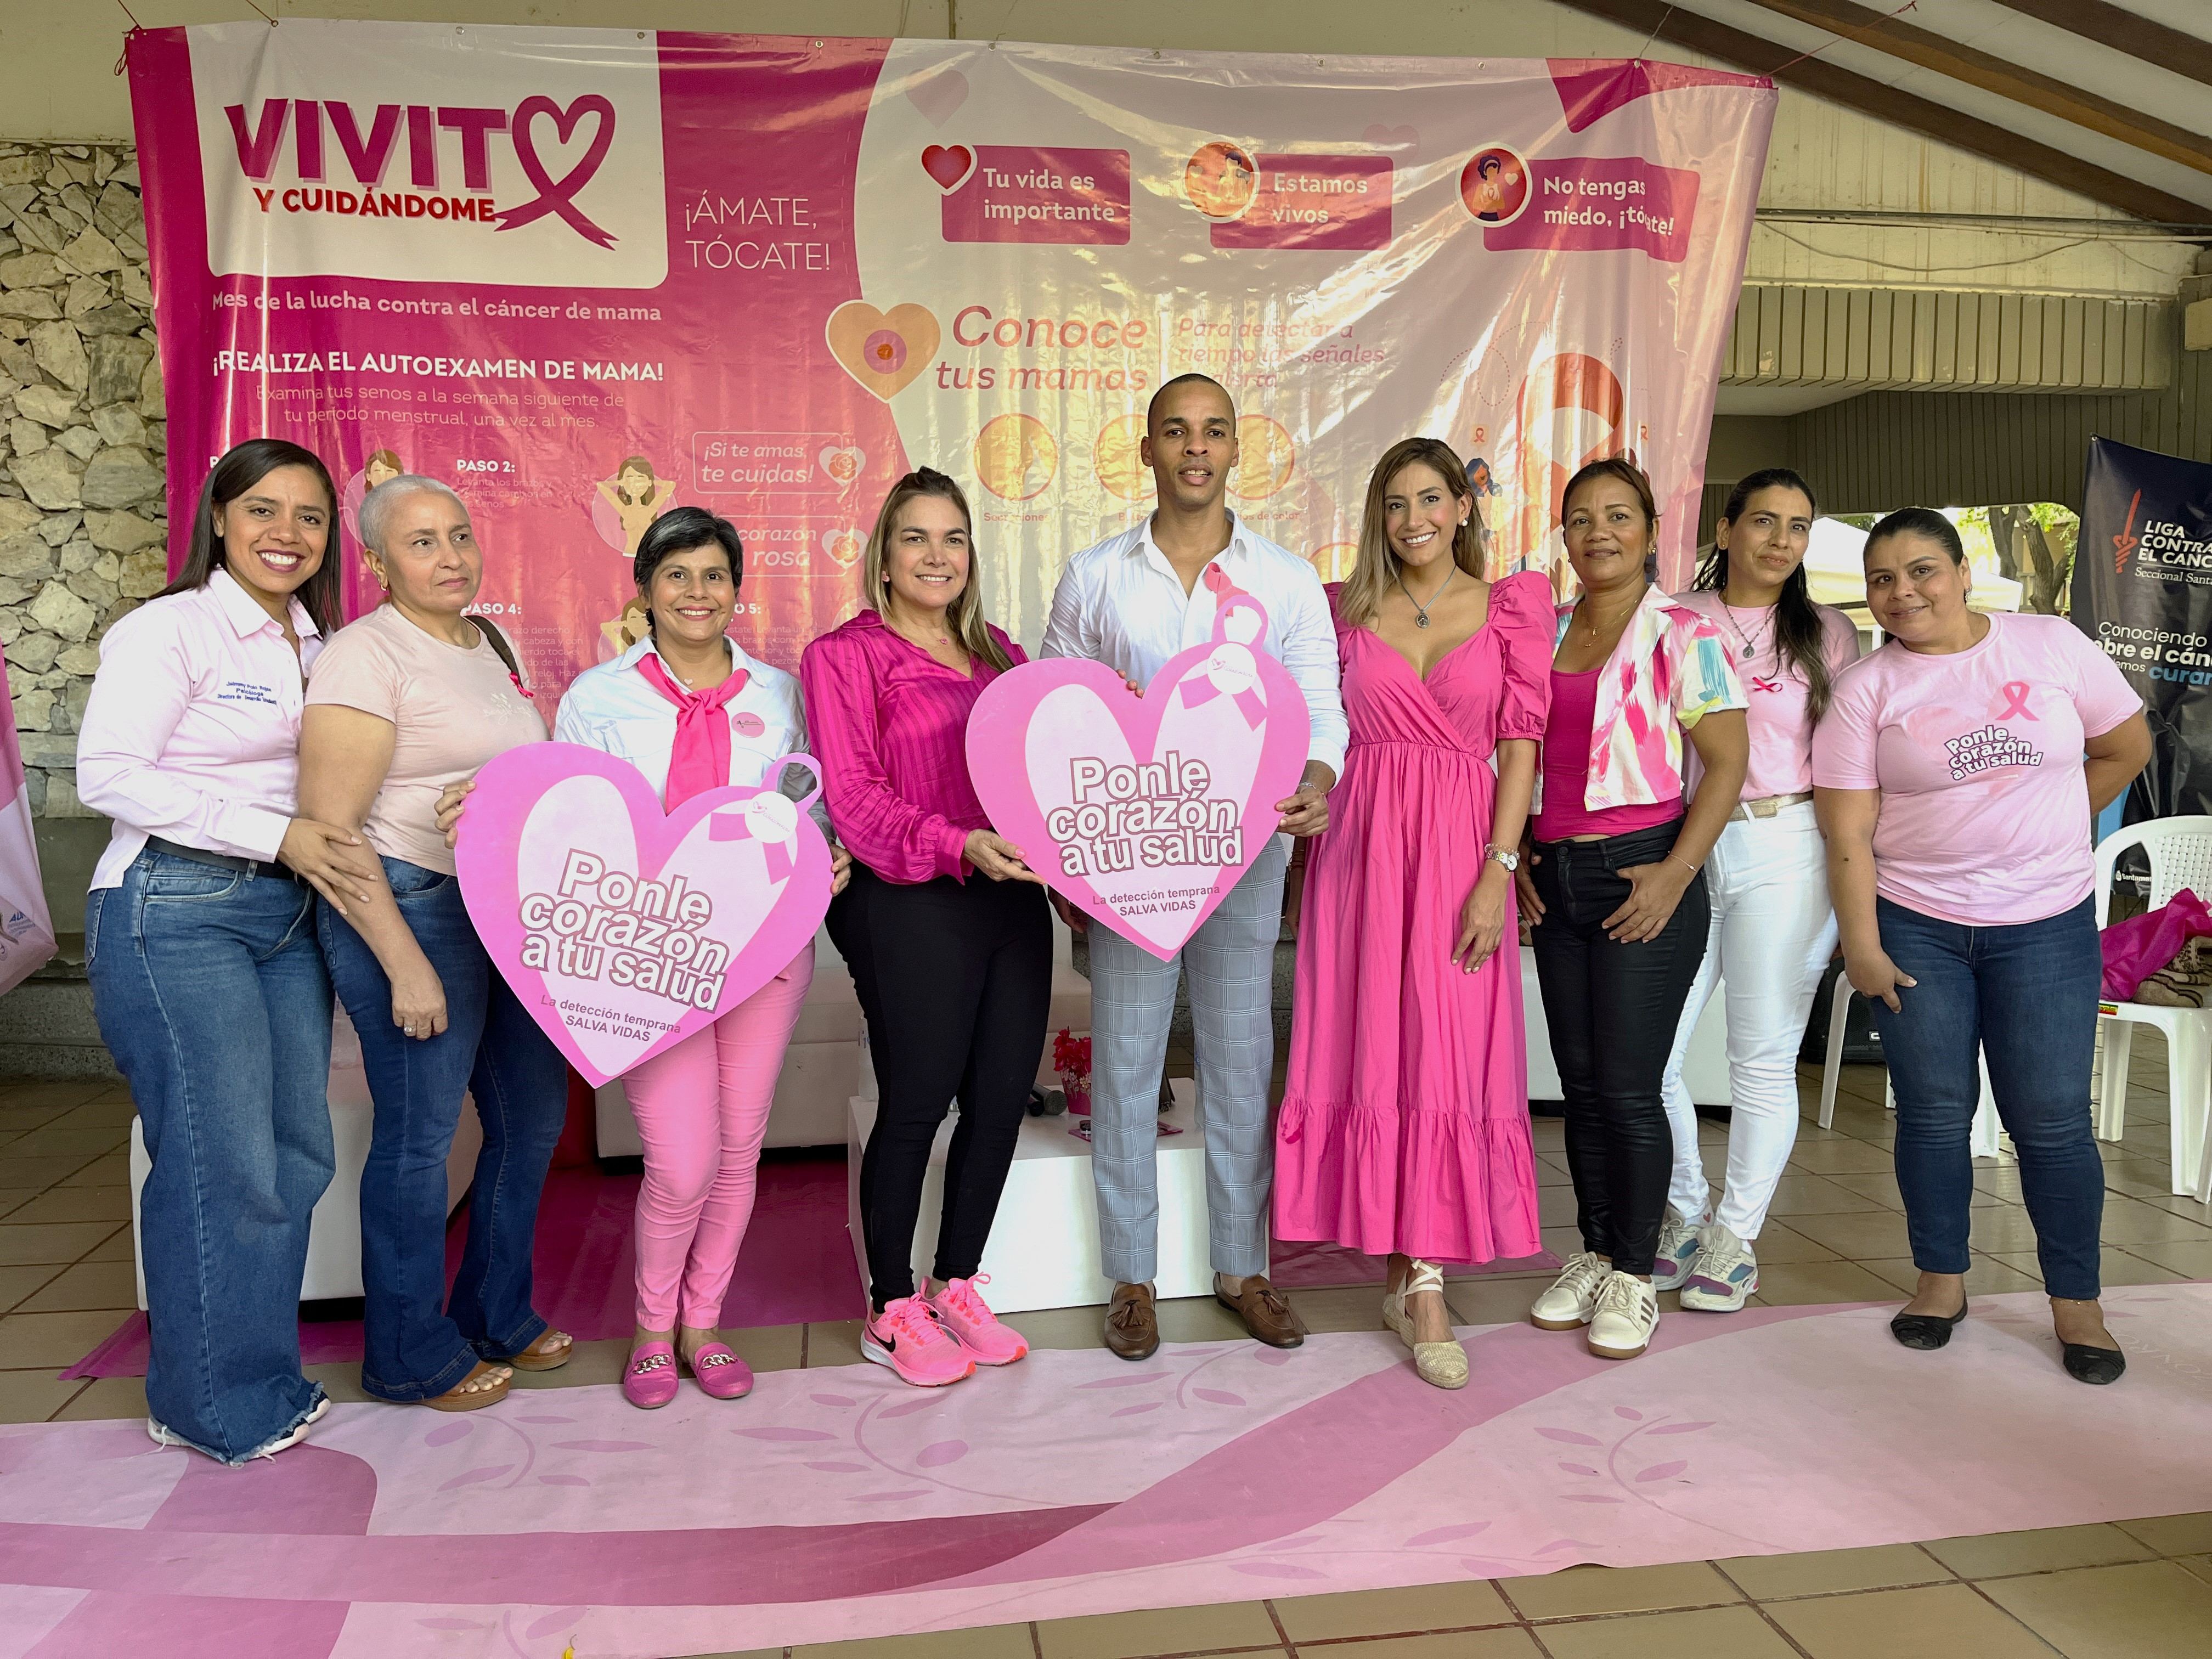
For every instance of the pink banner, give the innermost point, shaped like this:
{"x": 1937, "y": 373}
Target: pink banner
{"x": 584, "y": 276}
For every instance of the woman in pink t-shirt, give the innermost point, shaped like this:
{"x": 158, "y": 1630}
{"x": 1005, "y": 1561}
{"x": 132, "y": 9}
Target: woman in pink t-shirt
{"x": 1956, "y": 775}
{"x": 1772, "y": 933}
{"x": 414, "y": 696}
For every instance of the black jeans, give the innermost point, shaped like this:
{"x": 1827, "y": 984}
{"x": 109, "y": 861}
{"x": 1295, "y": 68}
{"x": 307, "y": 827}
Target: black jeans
{"x": 1613, "y": 1009}
{"x": 956, "y": 980}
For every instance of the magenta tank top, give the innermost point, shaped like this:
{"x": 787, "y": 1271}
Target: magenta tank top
{"x": 1566, "y": 770}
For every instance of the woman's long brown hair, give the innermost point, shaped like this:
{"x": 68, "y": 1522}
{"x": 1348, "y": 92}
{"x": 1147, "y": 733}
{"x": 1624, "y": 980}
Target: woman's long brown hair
{"x": 1377, "y": 567}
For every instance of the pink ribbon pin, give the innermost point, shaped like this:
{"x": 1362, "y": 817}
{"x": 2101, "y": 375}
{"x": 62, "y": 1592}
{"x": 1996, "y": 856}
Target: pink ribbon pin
{"x": 560, "y": 196}
{"x": 2015, "y": 696}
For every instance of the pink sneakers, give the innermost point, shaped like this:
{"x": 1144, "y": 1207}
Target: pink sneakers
{"x": 960, "y": 1310}
{"x": 907, "y": 1337}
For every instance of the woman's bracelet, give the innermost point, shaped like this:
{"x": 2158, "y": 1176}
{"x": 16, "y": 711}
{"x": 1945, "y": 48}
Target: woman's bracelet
{"x": 1680, "y": 860}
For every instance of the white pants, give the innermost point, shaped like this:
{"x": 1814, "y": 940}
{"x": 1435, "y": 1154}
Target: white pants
{"x": 1773, "y": 934}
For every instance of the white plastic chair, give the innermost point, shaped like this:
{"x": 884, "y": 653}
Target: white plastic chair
{"x": 1988, "y": 1128}
{"x": 2180, "y": 854}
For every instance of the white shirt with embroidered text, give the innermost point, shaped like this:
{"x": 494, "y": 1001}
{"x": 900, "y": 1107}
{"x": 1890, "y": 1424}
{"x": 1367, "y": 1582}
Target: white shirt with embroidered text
{"x": 192, "y": 731}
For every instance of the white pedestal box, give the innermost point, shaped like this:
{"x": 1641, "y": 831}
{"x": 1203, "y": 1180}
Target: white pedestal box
{"x": 334, "y": 1234}
{"x": 826, "y": 1064}
{"x": 1043, "y": 1251}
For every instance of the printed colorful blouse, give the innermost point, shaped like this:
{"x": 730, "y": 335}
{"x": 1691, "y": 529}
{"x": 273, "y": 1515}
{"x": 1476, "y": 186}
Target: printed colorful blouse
{"x": 1669, "y": 670}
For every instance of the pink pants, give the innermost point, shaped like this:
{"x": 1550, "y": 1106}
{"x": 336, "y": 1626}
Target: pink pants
{"x": 701, "y": 1110}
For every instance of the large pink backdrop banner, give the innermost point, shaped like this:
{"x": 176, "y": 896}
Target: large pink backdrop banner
{"x": 583, "y": 276}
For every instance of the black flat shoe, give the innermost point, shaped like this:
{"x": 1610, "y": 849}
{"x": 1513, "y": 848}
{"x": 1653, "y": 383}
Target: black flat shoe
{"x": 1925, "y": 1332}
{"x": 2087, "y": 1364}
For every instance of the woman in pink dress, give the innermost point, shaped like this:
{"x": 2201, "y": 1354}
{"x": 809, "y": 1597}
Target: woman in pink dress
{"x": 1405, "y": 1125}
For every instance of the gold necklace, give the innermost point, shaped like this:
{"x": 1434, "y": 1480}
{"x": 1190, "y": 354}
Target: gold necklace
{"x": 1591, "y": 627}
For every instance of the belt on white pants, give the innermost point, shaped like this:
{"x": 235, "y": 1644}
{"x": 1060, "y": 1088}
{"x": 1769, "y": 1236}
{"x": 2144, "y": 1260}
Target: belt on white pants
{"x": 1767, "y": 806}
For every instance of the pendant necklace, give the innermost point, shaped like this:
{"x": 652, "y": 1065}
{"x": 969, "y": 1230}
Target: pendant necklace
{"x": 1421, "y": 612}
{"x": 1751, "y": 647}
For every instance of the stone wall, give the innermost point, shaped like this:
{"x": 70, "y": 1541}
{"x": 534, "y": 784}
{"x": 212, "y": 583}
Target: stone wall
{"x": 83, "y": 523}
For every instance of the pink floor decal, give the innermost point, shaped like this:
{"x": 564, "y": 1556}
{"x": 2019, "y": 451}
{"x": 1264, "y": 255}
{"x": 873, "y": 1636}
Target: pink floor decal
{"x": 796, "y": 1266}
{"x": 836, "y": 1503}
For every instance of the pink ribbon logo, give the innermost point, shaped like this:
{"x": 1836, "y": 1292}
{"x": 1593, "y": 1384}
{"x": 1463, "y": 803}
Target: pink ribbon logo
{"x": 2015, "y": 702}
{"x": 1228, "y": 672}
{"x": 771, "y": 820}
{"x": 560, "y": 196}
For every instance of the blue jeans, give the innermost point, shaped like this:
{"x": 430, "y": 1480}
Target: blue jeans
{"x": 2026, "y": 997}
{"x": 211, "y": 995}
{"x": 414, "y": 1345}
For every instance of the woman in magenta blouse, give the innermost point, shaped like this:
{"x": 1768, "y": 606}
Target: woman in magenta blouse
{"x": 954, "y": 974}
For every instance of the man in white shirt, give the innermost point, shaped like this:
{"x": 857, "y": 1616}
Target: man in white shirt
{"x": 1132, "y": 602}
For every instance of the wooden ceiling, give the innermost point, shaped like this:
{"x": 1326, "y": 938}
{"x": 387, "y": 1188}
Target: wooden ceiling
{"x": 2106, "y": 101}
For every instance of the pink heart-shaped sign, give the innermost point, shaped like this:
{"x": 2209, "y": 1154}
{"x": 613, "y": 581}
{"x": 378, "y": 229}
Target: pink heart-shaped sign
{"x": 1143, "y": 812}
{"x": 623, "y": 929}
{"x": 947, "y": 163}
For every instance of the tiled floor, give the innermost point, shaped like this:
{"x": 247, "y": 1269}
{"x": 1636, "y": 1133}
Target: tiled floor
{"x": 2138, "y": 1589}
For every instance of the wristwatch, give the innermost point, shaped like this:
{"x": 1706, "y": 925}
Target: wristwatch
{"x": 1511, "y": 861}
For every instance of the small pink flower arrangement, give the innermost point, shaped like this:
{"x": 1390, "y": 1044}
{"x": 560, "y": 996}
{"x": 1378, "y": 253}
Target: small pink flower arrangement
{"x": 1071, "y": 1058}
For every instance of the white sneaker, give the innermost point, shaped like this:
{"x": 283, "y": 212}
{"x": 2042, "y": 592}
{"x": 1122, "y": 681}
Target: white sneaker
{"x": 1567, "y": 1306}
{"x": 161, "y": 1435}
{"x": 1679, "y": 1244}
{"x": 1627, "y": 1313}
{"x": 1723, "y": 1275}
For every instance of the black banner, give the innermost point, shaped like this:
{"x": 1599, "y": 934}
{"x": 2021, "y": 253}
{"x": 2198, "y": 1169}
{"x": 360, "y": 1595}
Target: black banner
{"x": 2142, "y": 590}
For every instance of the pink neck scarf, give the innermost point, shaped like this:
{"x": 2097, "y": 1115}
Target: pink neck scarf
{"x": 701, "y": 758}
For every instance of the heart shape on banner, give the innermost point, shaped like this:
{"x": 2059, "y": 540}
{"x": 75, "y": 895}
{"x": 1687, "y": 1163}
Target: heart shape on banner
{"x": 1143, "y": 812}
{"x": 948, "y": 164}
{"x": 884, "y": 351}
{"x": 843, "y": 462}
{"x": 623, "y": 929}
{"x": 845, "y": 546}
{"x": 937, "y": 96}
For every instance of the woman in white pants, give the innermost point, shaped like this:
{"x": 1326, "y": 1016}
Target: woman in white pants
{"x": 1773, "y": 931}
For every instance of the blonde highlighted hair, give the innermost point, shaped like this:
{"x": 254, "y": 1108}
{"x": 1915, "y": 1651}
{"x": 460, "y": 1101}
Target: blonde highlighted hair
{"x": 1377, "y": 567}
{"x": 965, "y": 613}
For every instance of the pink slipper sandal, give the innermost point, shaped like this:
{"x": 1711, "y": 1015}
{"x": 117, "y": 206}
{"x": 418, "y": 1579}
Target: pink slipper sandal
{"x": 721, "y": 1375}
{"x": 649, "y": 1381}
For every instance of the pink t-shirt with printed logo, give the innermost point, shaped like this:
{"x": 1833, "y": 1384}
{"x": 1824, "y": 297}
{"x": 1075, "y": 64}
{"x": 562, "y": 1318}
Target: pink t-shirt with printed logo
{"x": 1781, "y": 730}
{"x": 1984, "y": 817}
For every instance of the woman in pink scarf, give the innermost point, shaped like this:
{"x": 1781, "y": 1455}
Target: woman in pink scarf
{"x": 692, "y": 712}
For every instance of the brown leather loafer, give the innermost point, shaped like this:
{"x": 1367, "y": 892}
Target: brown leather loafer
{"x": 1266, "y": 1311}
{"x": 1132, "y": 1324}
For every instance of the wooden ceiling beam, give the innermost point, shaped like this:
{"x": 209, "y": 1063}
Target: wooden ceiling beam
{"x": 1865, "y": 26}
{"x": 2124, "y": 31}
{"x": 1661, "y": 21}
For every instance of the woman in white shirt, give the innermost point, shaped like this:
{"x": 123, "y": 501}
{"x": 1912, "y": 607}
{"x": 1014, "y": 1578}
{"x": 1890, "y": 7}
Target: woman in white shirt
{"x": 692, "y": 712}
{"x": 200, "y": 943}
